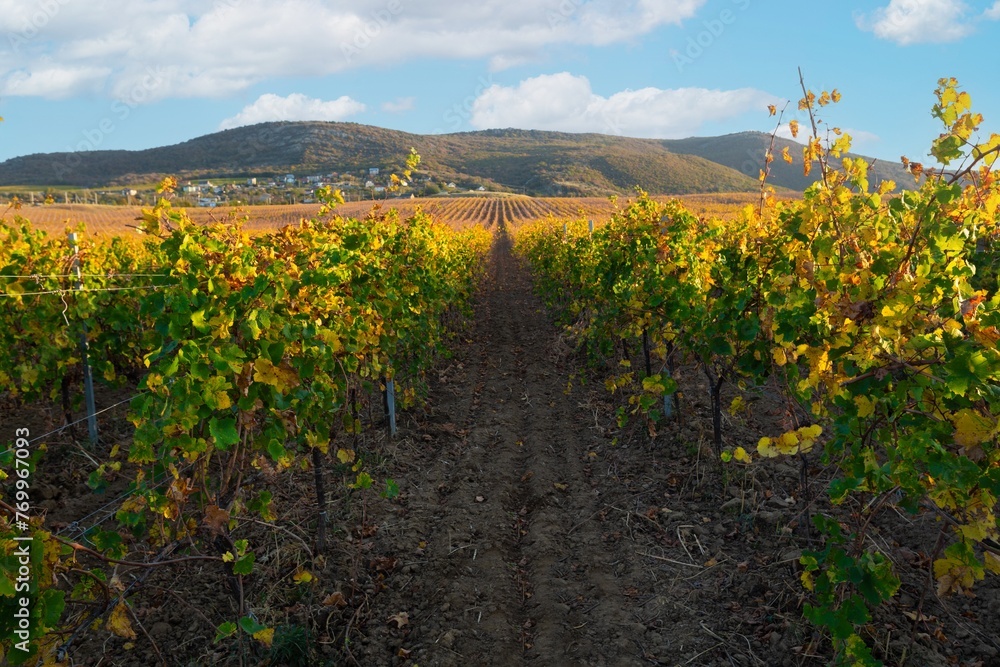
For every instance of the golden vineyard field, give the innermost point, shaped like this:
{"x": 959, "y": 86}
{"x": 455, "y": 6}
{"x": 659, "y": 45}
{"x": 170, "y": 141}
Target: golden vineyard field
{"x": 457, "y": 212}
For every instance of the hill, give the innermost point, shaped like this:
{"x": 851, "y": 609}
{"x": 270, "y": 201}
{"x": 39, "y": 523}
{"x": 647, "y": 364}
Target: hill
{"x": 744, "y": 152}
{"x": 533, "y": 162}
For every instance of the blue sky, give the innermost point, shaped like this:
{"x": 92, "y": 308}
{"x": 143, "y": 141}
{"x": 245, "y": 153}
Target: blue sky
{"x": 132, "y": 74}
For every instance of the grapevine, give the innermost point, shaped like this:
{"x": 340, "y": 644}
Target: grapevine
{"x": 879, "y": 312}
{"x": 248, "y": 351}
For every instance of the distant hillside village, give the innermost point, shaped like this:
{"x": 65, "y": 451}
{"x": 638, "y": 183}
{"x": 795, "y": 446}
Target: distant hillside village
{"x": 370, "y": 184}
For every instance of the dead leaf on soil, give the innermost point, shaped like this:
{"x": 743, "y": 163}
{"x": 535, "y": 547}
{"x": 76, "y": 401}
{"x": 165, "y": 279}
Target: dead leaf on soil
{"x": 335, "y": 600}
{"x": 119, "y": 623}
{"x": 401, "y": 619}
{"x": 216, "y": 519}
{"x": 480, "y": 499}
{"x": 383, "y": 564}
{"x": 912, "y": 615}
{"x": 561, "y": 487}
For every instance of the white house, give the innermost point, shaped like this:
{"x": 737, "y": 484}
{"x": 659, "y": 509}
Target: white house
{"x": 289, "y": 179}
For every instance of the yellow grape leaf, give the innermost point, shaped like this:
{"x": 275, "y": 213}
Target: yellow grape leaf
{"x": 741, "y": 455}
{"x": 345, "y": 456}
{"x": 329, "y": 337}
{"x": 228, "y": 557}
{"x": 793, "y": 127}
{"x": 811, "y": 432}
{"x": 987, "y": 337}
{"x": 779, "y": 355}
{"x": 654, "y": 384}
{"x": 737, "y": 406}
{"x": 788, "y": 443}
{"x": 303, "y": 576}
{"x": 807, "y": 580}
{"x": 265, "y": 636}
{"x": 866, "y": 408}
{"x": 766, "y": 448}
{"x": 14, "y": 289}
{"x": 278, "y": 377}
{"x": 315, "y": 441}
{"x": 975, "y": 531}
{"x": 953, "y": 576}
{"x": 992, "y": 562}
{"x": 119, "y": 623}
{"x": 971, "y": 428}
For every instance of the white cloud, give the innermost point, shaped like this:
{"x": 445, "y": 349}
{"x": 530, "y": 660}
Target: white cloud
{"x": 567, "y": 103}
{"x": 214, "y": 49}
{"x": 296, "y": 106}
{"x": 918, "y": 21}
{"x": 993, "y": 13}
{"x": 54, "y": 82}
{"x": 399, "y": 105}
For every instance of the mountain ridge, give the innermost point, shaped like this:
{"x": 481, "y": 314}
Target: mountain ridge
{"x": 531, "y": 161}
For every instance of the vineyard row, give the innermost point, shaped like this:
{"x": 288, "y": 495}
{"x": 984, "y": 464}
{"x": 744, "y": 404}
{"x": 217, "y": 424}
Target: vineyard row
{"x": 249, "y": 353}
{"x": 877, "y": 312}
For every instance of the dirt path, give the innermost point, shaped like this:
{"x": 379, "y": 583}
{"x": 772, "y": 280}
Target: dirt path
{"x": 509, "y": 572}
